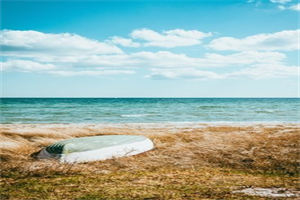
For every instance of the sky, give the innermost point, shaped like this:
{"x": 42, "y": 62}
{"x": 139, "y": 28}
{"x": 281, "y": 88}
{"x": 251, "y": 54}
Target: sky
{"x": 150, "y": 48}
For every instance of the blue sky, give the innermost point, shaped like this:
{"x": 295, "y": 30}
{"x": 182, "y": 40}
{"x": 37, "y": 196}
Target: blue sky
{"x": 167, "y": 48}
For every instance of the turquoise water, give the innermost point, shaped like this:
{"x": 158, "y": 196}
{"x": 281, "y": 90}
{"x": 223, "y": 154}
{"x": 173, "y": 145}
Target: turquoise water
{"x": 145, "y": 110}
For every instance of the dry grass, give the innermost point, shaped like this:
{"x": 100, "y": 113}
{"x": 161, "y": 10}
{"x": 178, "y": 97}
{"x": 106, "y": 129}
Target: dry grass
{"x": 188, "y": 162}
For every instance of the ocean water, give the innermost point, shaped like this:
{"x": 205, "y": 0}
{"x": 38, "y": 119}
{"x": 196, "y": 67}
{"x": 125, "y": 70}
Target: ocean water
{"x": 148, "y": 110}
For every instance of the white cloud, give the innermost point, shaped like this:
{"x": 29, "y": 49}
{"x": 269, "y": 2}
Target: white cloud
{"x": 91, "y": 73}
{"x": 126, "y": 42}
{"x": 186, "y": 73}
{"x": 166, "y": 65}
{"x": 167, "y": 59}
{"x": 62, "y": 54}
{"x": 164, "y": 60}
{"x": 261, "y": 71}
{"x": 281, "y": 7}
{"x": 171, "y": 38}
{"x": 295, "y": 7}
{"x": 242, "y": 58}
{"x": 280, "y": 1}
{"x": 281, "y": 41}
{"x": 94, "y": 58}
{"x": 48, "y": 43}
{"x": 25, "y": 66}
{"x": 258, "y": 71}
{"x": 156, "y": 59}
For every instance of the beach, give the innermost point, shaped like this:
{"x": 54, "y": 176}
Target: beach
{"x": 190, "y": 161}
{"x": 149, "y": 100}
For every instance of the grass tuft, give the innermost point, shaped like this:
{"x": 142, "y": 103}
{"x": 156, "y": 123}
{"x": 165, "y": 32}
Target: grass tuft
{"x": 207, "y": 162}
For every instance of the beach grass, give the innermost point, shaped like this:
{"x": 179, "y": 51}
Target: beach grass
{"x": 203, "y": 162}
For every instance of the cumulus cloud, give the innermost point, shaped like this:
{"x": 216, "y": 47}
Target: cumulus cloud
{"x": 126, "y": 42}
{"x": 163, "y": 59}
{"x": 282, "y": 41}
{"x": 250, "y": 64}
{"x": 242, "y": 58}
{"x": 161, "y": 64}
{"x": 167, "y": 59}
{"x": 260, "y": 71}
{"x": 91, "y": 72}
{"x": 209, "y": 60}
{"x": 73, "y": 55}
{"x": 257, "y": 71}
{"x": 166, "y": 65}
{"x": 170, "y": 38}
{"x": 61, "y": 54}
{"x": 26, "y": 65}
{"x": 48, "y": 43}
{"x": 187, "y": 73}
{"x": 280, "y": 1}
{"x": 295, "y": 7}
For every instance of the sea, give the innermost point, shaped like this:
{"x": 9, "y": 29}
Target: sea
{"x": 147, "y": 110}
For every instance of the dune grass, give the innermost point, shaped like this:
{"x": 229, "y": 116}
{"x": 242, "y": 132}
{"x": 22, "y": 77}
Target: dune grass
{"x": 204, "y": 162}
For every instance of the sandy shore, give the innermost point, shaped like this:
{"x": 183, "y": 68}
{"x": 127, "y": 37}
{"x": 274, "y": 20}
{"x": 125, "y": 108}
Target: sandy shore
{"x": 19, "y": 140}
{"x": 237, "y": 154}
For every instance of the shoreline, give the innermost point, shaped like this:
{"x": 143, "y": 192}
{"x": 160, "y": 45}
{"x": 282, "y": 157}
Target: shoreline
{"x": 156, "y": 124}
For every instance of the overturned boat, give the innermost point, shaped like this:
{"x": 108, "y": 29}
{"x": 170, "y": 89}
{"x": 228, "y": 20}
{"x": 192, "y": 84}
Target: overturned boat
{"x": 94, "y": 148}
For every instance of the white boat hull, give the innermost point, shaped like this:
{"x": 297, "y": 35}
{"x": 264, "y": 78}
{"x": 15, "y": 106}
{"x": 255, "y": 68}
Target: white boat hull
{"x": 102, "y": 153}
